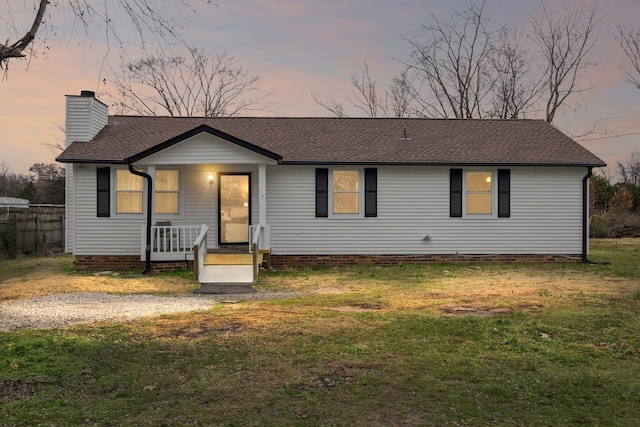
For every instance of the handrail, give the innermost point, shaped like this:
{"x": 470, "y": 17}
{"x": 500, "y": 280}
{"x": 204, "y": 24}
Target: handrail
{"x": 198, "y": 255}
{"x": 255, "y": 249}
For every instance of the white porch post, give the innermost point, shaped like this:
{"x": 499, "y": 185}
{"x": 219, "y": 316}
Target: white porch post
{"x": 262, "y": 194}
{"x": 265, "y": 229}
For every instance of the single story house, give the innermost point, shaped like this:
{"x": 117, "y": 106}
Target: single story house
{"x": 321, "y": 191}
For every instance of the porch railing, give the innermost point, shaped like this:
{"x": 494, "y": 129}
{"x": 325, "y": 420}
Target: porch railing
{"x": 200, "y": 250}
{"x": 173, "y": 243}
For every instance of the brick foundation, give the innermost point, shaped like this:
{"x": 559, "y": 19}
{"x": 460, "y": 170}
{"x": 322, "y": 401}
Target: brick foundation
{"x": 126, "y": 262}
{"x": 292, "y": 261}
{"x": 132, "y": 262}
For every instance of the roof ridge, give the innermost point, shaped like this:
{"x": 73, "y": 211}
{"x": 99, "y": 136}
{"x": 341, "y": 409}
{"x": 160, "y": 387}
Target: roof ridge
{"x": 328, "y": 118}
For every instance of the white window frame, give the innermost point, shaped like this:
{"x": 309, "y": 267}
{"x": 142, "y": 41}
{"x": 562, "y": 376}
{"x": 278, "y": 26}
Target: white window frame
{"x": 180, "y": 213}
{"x": 114, "y": 195}
{"x": 360, "y": 213}
{"x": 494, "y": 193}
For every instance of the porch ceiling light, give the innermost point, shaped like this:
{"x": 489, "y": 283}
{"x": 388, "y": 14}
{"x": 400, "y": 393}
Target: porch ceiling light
{"x": 210, "y": 180}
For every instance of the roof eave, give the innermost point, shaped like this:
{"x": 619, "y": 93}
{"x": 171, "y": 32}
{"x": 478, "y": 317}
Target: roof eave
{"x": 101, "y": 161}
{"x": 383, "y": 163}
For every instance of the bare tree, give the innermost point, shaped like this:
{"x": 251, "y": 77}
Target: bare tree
{"x": 516, "y": 88}
{"x": 366, "y": 97}
{"x": 467, "y": 67}
{"x": 400, "y": 95}
{"x": 629, "y": 39}
{"x": 49, "y": 182}
{"x": 630, "y": 170}
{"x": 17, "y": 48}
{"x": 451, "y": 63}
{"x": 11, "y": 183}
{"x": 195, "y": 84}
{"x": 565, "y": 41}
{"x": 331, "y": 105}
{"x": 155, "y": 19}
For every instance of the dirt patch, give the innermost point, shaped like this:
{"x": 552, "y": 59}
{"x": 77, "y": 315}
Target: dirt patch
{"x": 337, "y": 376}
{"x": 465, "y": 310}
{"x": 354, "y": 308}
{"x": 15, "y": 391}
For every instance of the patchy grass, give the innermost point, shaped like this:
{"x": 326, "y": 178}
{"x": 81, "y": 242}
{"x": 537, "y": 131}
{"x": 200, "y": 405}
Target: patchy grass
{"x": 511, "y": 344}
{"x": 33, "y": 277}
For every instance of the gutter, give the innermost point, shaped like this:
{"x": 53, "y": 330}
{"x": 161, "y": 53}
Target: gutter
{"x": 585, "y": 219}
{"x": 147, "y": 268}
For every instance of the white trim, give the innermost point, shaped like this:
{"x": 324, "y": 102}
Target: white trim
{"x": 360, "y": 213}
{"x": 114, "y": 195}
{"x": 262, "y": 194}
{"x": 494, "y": 194}
{"x": 181, "y": 208}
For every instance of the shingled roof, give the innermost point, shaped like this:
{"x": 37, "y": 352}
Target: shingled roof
{"x": 345, "y": 140}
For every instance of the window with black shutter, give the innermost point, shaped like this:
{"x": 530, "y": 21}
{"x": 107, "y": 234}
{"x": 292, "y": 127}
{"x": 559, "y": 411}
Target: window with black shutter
{"x": 322, "y": 192}
{"x": 504, "y": 193}
{"x": 370, "y": 192}
{"x": 104, "y": 192}
{"x": 455, "y": 193}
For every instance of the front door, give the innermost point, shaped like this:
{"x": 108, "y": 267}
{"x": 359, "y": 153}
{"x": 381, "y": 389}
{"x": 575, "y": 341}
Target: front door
{"x": 235, "y": 213}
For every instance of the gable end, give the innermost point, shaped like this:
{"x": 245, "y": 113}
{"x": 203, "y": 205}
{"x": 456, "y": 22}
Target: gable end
{"x": 211, "y": 131}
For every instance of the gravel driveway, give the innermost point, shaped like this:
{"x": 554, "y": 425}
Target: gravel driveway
{"x": 62, "y": 310}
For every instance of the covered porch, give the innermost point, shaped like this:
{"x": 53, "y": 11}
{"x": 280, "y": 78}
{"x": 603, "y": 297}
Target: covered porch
{"x": 226, "y": 269}
{"x": 229, "y": 204}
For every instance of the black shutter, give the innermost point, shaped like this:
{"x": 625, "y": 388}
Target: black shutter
{"x": 504, "y": 193}
{"x": 370, "y": 192}
{"x": 455, "y": 193}
{"x": 104, "y": 191}
{"x": 322, "y": 192}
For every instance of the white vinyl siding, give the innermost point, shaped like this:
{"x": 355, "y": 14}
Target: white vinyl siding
{"x": 85, "y": 117}
{"x": 117, "y": 235}
{"x": 546, "y": 215}
{"x": 122, "y": 234}
{"x": 204, "y": 148}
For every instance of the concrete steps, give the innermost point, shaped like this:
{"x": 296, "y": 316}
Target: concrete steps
{"x": 226, "y": 279}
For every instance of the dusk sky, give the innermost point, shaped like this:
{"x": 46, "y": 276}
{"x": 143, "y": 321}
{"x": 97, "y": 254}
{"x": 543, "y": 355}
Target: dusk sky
{"x": 300, "y": 48}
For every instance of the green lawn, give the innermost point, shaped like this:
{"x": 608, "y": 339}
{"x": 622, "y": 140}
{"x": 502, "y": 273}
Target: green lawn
{"x": 487, "y": 344}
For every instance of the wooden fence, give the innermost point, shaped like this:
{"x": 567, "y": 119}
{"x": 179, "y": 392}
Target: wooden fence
{"x": 37, "y": 230}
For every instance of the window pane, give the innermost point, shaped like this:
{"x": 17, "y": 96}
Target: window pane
{"x": 128, "y": 181}
{"x": 166, "y": 203}
{"x": 167, "y": 180}
{"x": 345, "y": 203}
{"x": 478, "y": 181}
{"x": 129, "y": 202}
{"x": 479, "y": 204}
{"x": 345, "y": 180}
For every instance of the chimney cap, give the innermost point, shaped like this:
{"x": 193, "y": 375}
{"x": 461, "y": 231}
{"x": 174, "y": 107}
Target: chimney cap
{"x": 88, "y": 93}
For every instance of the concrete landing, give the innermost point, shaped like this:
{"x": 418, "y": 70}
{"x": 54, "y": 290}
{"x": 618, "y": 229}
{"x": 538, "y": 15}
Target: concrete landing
{"x": 226, "y": 279}
{"x": 224, "y": 288}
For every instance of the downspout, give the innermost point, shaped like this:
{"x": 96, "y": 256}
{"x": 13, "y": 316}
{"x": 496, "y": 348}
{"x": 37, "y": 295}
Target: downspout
{"x": 585, "y": 215}
{"x": 147, "y": 267}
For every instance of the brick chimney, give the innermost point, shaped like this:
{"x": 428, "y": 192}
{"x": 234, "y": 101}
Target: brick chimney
{"x": 85, "y": 117}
